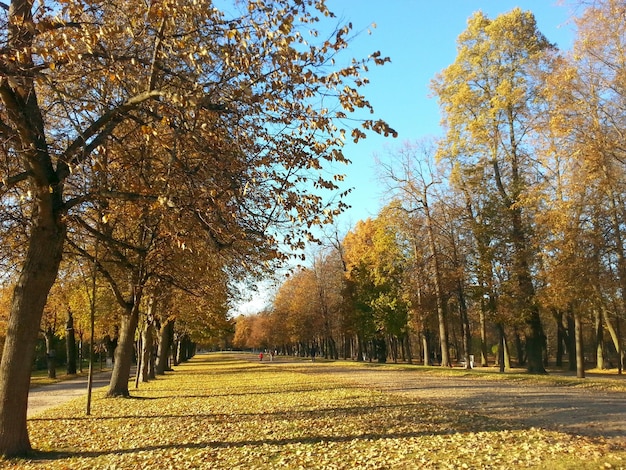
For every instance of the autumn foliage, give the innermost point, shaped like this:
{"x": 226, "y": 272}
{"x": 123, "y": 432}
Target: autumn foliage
{"x": 502, "y": 240}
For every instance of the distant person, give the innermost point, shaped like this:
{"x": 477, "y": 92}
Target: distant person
{"x": 261, "y": 356}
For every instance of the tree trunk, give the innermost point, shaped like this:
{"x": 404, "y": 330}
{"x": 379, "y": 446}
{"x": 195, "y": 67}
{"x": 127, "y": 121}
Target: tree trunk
{"x": 118, "y": 386}
{"x": 175, "y": 350}
{"x": 560, "y": 337}
{"x": 165, "y": 338}
{"x": 50, "y": 353}
{"x": 615, "y": 336}
{"x": 501, "y": 346}
{"x": 442, "y": 310}
{"x": 599, "y": 338}
{"x": 580, "y": 353}
{"x": 466, "y": 330}
{"x": 359, "y": 349}
{"x": 147, "y": 351}
{"x": 29, "y": 297}
{"x": 407, "y": 345}
{"x": 484, "y": 362}
{"x": 70, "y": 343}
{"x": 426, "y": 347}
{"x": 535, "y": 336}
{"x": 571, "y": 343}
{"x": 505, "y": 351}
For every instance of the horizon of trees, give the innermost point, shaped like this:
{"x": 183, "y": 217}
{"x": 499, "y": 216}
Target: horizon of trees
{"x": 504, "y": 238}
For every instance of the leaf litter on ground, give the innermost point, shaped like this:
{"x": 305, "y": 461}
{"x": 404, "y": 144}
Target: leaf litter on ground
{"x": 224, "y": 411}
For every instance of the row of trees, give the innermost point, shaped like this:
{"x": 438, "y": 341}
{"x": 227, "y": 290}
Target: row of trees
{"x": 166, "y": 150}
{"x": 509, "y": 229}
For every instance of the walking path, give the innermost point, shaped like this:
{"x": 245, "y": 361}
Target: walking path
{"x": 575, "y": 410}
{"x": 49, "y": 396}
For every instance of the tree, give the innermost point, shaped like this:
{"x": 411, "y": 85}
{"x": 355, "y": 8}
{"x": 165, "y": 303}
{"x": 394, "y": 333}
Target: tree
{"x": 78, "y": 76}
{"x": 586, "y": 96}
{"x": 375, "y": 268}
{"x": 488, "y": 100}
{"x": 412, "y": 177}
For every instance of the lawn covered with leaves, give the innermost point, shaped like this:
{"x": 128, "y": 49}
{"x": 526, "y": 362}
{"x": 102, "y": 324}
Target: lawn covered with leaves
{"x": 224, "y": 411}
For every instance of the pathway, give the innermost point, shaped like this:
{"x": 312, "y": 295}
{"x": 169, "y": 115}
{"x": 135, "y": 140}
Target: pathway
{"x": 48, "y": 396}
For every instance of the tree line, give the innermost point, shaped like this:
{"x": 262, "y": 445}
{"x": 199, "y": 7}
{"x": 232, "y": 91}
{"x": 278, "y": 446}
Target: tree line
{"x": 503, "y": 238}
{"x": 156, "y": 155}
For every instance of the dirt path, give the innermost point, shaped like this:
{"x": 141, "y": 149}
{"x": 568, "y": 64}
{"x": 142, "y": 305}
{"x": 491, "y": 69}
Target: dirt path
{"x": 49, "y": 396}
{"x": 579, "y": 411}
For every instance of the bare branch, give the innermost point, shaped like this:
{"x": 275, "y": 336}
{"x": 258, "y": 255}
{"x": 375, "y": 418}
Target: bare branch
{"x": 13, "y": 180}
{"x": 99, "y": 130}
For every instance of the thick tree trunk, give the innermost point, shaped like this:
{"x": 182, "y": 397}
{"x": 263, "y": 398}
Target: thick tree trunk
{"x": 535, "y": 342}
{"x": 28, "y": 148}
{"x": 332, "y": 344}
{"x": 359, "y": 348}
{"x": 166, "y": 337}
{"x": 506, "y": 353}
{"x": 176, "y": 351}
{"x": 29, "y": 297}
{"x": 442, "y": 309}
{"x": 118, "y": 386}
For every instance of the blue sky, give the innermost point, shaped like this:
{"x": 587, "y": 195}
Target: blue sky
{"x": 420, "y": 38}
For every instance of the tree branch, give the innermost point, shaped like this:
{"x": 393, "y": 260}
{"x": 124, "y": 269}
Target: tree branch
{"x": 13, "y": 180}
{"x": 98, "y": 131}
{"x": 119, "y": 296}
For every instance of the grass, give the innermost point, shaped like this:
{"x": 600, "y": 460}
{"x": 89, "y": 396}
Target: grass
{"x": 223, "y": 411}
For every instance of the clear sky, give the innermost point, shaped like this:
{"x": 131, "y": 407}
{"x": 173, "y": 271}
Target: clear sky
{"x": 420, "y": 38}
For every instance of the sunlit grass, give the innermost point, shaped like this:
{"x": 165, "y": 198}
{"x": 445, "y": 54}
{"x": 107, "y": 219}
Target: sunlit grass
{"x": 223, "y": 411}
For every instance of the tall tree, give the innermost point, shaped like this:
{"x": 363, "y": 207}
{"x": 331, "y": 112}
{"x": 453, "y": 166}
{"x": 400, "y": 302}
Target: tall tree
{"x": 412, "y": 176}
{"x": 376, "y": 264}
{"x": 488, "y": 100}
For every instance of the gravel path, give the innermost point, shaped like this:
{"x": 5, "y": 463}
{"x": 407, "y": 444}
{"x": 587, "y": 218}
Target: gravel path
{"x": 573, "y": 410}
{"x": 49, "y": 396}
